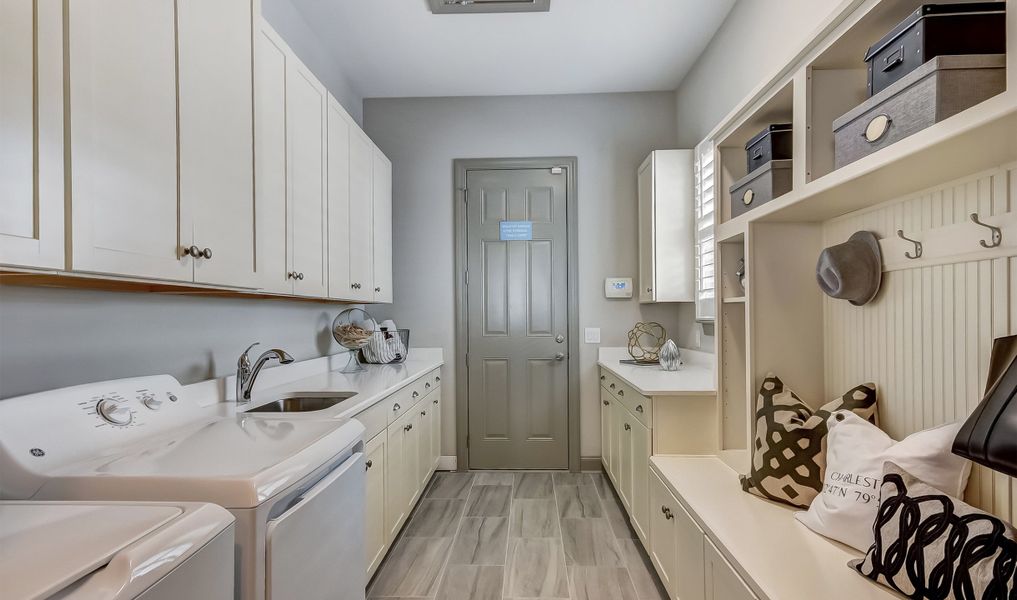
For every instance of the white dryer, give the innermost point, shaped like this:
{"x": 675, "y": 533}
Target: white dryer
{"x": 115, "y": 551}
{"x": 295, "y": 486}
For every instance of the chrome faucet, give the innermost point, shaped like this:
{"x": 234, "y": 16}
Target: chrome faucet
{"x": 246, "y": 374}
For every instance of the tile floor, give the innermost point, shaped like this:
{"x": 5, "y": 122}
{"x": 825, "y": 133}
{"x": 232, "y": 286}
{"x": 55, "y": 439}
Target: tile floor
{"x": 494, "y": 535}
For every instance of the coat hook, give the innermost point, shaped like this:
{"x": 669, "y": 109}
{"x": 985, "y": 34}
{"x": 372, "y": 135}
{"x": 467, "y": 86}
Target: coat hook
{"x": 918, "y": 245}
{"x": 997, "y": 233}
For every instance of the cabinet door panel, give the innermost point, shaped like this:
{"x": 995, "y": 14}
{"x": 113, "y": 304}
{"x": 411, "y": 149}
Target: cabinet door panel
{"x": 722, "y": 583}
{"x": 396, "y": 500}
{"x": 376, "y": 538}
{"x": 338, "y": 201}
{"x": 640, "y": 436}
{"x": 623, "y": 427}
{"x": 270, "y": 160}
{"x": 382, "y": 243}
{"x": 663, "y": 533}
{"x": 123, "y": 136}
{"x": 646, "y": 250}
{"x": 31, "y": 134}
{"x": 691, "y": 569}
{"x": 426, "y": 420}
{"x": 306, "y": 102}
{"x": 411, "y": 454}
{"x": 607, "y": 434}
{"x": 435, "y": 399}
{"x": 361, "y": 216}
{"x": 217, "y": 137}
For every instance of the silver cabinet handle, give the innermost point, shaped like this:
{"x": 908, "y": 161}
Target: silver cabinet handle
{"x": 437, "y": 378}
{"x": 648, "y": 290}
{"x": 408, "y": 427}
{"x": 353, "y": 286}
{"x": 377, "y": 289}
{"x": 435, "y": 402}
{"x": 603, "y": 377}
{"x": 416, "y": 394}
{"x": 628, "y": 427}
{"x": 612, "y": 386}
{"x": 663, "y": 510}
{"x": 423, "y": 413}
{"x": 606, "y": 403}
{"x": 396, "y": 407}
{"x": 427, "y": 385}
{"x": 291, "y": 275}
{"x": 639, "y": 408}
{"x": 192, "y": 251}
{"x": 559, "y": 356}
{"x": 368, "y": 465}
{"x": 207, "y": 253}
{"x": 300, "y": 276}
{"x": 621, "y": 392}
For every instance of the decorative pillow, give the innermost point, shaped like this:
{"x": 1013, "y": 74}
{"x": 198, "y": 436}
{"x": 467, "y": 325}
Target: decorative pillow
{"x": 931, "y": 545}
{"x": 855, "y": 453}
{"x": 788, "y": 454}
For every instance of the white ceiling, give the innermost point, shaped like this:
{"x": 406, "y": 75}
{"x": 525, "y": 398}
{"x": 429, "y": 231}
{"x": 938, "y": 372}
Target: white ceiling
{"x": 397, "y": 48}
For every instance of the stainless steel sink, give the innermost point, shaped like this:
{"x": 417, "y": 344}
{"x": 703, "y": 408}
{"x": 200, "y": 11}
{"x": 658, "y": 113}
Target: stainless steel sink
{"x": 302, "y": 403}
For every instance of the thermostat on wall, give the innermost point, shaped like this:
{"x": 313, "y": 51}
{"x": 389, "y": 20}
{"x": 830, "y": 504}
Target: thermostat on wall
{"x": 618, "y": 287}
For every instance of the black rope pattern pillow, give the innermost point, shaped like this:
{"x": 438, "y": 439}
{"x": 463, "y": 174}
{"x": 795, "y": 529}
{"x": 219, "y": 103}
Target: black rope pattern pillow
{"x": 789, "y": 448}
{"x": 930, "y": 545}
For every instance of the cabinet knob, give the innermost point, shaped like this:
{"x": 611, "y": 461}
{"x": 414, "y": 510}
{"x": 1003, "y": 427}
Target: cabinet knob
{"x": 663, "y": 509}
{"x": 396, "y": 407}
{"x": 639, "y": 408}
{"x": 416, "y": 394}
{"x": 437, "y": 378}
{"x": 377, "y": 289}
{"x": 192, "y": 251}
{"x": 408, "y": 427}
{"x": 427, "y": 385}
{"x": 423, "y": 413}
{"x": 612, "y": 386}
{"x": 606, "y": 403}
{"x": 368, "y": 465}
{"x": 435, "y": 402}
{"x": 207, "y": 253}
{"x": 648, "y": 290}
{"x": 628, "y": 427}
{"x": 603, "y": 377}
{"x": 300, "y": 276}
{"x": 291, "y": 275}
{"x": 353, "y": 286}
{"x": 621, "y": 392}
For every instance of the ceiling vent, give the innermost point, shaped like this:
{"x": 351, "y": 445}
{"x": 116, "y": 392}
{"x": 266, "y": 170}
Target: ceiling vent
{"x": 444, "y": 7}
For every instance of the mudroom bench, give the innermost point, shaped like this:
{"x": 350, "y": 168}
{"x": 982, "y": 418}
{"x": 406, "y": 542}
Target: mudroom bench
{"x": 711, "y": 541}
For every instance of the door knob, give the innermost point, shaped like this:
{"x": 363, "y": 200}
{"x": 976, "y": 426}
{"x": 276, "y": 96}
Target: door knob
{"x": 560, "y": 356}
{"x": 560, "y": 338}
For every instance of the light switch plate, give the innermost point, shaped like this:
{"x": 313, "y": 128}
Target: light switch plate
{"x": 593, "y": 335}
{"x": 618, "y": 287}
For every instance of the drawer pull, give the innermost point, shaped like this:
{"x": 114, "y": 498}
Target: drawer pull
{"x": 890, "y": 61}
{"x": 639, "y": 408}
{"x": 628, "y": 427}
{"x": 877, "y": 128}
{"x": 612, "y": 386}
{"x": 602, "y": 377}
{"x": 621, "y": 392}
{"x": 416, "y": 394}
{"x": 606, "y": 403}
{"x": 396, "y": 407}
{"x": 437, "y": 378}
{"x": 427, "y": 386}
{"x": 435, "y": 401}
{"x": 748, "y": 197}
{"x": 368, "y": 465}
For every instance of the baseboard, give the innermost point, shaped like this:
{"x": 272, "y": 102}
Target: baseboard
{"x": 447, "y": 463}
{"x": 591, "y": 464}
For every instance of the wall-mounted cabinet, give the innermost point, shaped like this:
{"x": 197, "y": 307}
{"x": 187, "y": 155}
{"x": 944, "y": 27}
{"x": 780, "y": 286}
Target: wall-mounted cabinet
{"x": 666, "y": 255}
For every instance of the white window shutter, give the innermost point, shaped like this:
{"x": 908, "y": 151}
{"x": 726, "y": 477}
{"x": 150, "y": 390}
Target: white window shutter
{"x": 705, "y": 198}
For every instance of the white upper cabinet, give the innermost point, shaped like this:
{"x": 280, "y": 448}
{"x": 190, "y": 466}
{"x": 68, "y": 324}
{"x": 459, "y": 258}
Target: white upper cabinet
{"x": 361, "y": 217}
{"x": 306, "y": 104}
{"x": 339, "y": 126}
{"x": 152, "y": 177}
{"x": 666, "y": 231}
{"x": 382, "y": 243}
{"x": 270, "y": 161}
{"x": 217, "y": 136}
{"x": 125, "y": 209}
{"x": 31, "y": 134}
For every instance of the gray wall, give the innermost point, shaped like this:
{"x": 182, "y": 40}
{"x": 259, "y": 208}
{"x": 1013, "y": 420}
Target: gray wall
{"x": 53, "y": 338}
{"x": 756, "y": 40}
{"x": 609, "y": 133}
{"x": 291, "y": 25}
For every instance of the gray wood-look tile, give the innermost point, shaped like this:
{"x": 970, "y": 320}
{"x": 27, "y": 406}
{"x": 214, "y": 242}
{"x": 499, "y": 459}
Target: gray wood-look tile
{"x": 536, "y": 569}
{"x": 618, "y": 518}
{"x": 489, "y": 501}
{"x": 603, "y": 483}
{"x": 578, "y": 501}
{"x": 411, "y": 568}
{"x": 564, "y": 478}
{"x": 534, "y": 485}
{"x": 534, "y": 519}
{"x": 469, "y": 582}
{"x": 480, "y": 541}
{"x": 435, "y": 518}
{"x": 590, "y": 543}
{"x": 601, "y": 583}
{"x": 644, "y": 576}
{"x": 494, "y": 478}
{"x": 450, "y": 485}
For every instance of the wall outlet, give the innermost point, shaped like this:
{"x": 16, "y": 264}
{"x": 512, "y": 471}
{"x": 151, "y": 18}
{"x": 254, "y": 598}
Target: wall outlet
{"x": 593, "y": 335}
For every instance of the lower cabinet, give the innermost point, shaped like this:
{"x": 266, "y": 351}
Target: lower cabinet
{"x": 722, "y": 583}
{"x": 608, "y": 437}
{"x": 376, "y": 534}
{"x": 676, "y": 544}
{"x": 639, "y": 438}
{"x": 435, "y": 400}
{"x": 623, "y": 462}
{"x": 629, "y": 461}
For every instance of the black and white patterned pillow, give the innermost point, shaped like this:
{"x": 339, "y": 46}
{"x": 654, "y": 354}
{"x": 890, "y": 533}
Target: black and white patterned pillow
{"x": 789, "y": 448}
{"x": 931, "y": 545}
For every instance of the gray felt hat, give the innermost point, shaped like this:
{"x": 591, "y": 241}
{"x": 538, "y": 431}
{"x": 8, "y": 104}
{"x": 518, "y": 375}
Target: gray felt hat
{"x": 853, "y": 270}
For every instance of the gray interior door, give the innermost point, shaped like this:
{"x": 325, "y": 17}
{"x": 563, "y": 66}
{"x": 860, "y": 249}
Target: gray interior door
{"x": 517, "y": 312}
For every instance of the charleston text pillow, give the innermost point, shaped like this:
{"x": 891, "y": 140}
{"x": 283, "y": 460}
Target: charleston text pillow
{"x": 855, "y": 453}
{"x": 931, "y": 545}
{"x": 788, "y": 452}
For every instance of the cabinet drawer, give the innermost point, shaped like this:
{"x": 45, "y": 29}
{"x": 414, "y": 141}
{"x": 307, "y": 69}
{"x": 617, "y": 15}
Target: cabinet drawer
{"x": 608, "y": 381}
{"x": 405, "y": 399}
{"x": 639, "y": 405}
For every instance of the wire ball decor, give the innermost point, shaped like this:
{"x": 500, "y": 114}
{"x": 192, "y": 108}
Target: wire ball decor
{"x": 645, "y": 341}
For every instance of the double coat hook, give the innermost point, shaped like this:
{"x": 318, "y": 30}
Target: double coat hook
{"x": 918, "y": 245}
{"x": 997, "y": 233}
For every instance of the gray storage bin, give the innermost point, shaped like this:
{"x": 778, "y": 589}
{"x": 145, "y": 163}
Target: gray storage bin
{"x": 769, "y": 181}
{"x": 940, "y": 88}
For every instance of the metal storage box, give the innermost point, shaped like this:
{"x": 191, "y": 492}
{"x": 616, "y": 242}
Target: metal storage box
{"x": 940, "y": 88}
{"x": 936, "y": 30}
{"x": 771, "y": 180}
{"x": 772, "y": 143}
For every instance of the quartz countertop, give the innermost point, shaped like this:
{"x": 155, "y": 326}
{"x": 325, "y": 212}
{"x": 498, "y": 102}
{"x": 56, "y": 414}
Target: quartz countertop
{"x": 696, "y": 378}
{"x": 323, "y": 377}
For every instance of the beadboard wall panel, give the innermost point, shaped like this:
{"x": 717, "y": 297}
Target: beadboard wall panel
{"x": 925, "y": 339}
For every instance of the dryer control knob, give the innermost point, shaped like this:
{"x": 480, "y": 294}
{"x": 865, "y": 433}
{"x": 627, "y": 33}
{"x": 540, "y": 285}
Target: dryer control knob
{"x": 114, "y": 412}
{"x": 152, "y": 402}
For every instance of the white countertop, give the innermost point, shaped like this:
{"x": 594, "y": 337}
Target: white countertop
{"x": 321, "y": 378}
{"x": 696, "y": 378}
